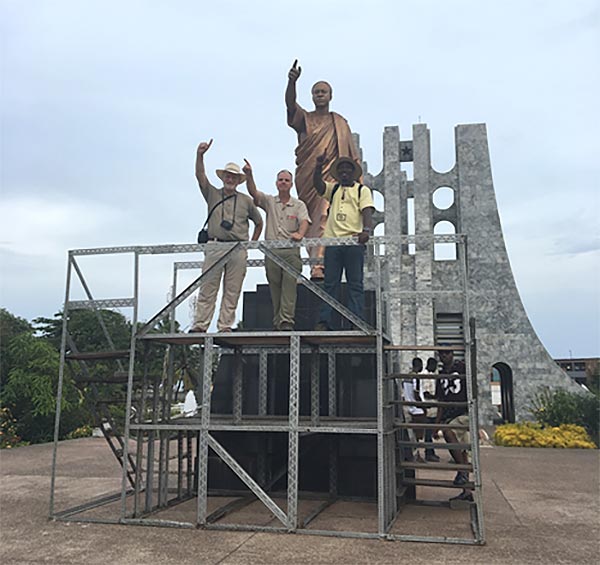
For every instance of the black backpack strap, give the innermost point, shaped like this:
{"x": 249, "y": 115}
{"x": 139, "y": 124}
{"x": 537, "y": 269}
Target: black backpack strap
{"x": 335, "y": 189}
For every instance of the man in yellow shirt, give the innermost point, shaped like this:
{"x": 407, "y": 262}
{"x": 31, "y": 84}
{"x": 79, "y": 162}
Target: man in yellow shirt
{"x": 350, "y": 214}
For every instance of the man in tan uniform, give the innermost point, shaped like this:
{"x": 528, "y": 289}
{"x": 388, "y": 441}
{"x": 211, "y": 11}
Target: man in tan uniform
{"x": 320, "y": 132}
{"x": 287, "y": 219}
{"x": 227, "y": 223}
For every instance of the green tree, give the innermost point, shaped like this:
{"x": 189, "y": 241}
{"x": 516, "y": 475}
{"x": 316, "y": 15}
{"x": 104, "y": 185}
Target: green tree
{"x": 10, "y": 326}
{"x": 31, "y": 387}
{"x": 85, "y": 329}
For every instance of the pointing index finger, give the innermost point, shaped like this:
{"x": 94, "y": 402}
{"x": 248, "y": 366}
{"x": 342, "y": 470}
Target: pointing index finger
{"x": 295, "y": 63}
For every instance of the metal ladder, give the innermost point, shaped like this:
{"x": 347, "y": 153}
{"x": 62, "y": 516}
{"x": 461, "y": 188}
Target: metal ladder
{"x": 408, "y": 470}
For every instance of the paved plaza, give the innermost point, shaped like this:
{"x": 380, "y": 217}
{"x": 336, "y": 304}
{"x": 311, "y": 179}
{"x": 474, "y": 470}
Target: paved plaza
{"x": 541, "y": 506}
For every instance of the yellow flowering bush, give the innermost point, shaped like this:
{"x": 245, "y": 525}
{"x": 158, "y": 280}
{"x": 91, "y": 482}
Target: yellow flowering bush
{"x": 530, "y": 434}
{"x": 8, "y": 432}
{"x": 82, "y": 431}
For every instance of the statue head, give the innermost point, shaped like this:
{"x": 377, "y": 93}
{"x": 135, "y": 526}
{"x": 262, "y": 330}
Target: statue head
{"x": 322, "y": 94}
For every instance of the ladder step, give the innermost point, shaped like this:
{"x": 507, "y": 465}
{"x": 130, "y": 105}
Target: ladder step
{"x": 437, "y": 466}
{"x": 398, "y": 424}
{"x": 429, "y": 404}
{"x": 119, "y": 377}
{"x": 434, "y": 445}
{"x": 436, "y": 483}
{"x": 110, "y": 400}
{"x": 424, "y": 347}
{"x": 422, "y": 376}
{"x": 97, "y": 355}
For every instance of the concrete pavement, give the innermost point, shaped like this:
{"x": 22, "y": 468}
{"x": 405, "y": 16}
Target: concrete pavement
{"x": 541, "y": 506}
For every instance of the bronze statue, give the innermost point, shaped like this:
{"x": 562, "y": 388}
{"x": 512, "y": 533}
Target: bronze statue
{"x": 320, "y": 132}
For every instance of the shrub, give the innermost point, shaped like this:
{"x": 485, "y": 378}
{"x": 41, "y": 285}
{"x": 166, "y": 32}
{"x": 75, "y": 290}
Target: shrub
{"x": 8, "y": 431}
{"x": 530, "y": 434}
{"x": 556, "y": 407}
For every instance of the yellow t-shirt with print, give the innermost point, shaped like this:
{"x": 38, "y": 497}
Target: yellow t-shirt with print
{"x": 345, "y": 217}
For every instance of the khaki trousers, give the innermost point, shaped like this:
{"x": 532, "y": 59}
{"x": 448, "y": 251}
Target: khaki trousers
{"x": 233, "y": 273}
{"x": 283, "y": 285}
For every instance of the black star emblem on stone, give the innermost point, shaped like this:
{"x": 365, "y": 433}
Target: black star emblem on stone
{"x": 406, "y": 150}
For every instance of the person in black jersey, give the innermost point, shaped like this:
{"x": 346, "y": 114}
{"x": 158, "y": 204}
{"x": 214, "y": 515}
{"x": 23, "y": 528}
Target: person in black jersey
{"x": 453, "y": 389}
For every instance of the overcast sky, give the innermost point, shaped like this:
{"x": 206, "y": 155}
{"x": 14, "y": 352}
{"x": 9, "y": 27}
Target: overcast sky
{"x": 104, "y": 103}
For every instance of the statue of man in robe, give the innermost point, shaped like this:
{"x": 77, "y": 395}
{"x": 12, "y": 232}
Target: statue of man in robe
{"x": 320, "y": 132}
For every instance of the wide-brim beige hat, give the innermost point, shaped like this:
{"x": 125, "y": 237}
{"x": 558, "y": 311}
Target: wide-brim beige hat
{"x": 357, "y": 168}
{"x": 234, "y": 169}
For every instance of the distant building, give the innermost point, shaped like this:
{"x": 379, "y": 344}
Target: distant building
{"x": 581, "y": 370}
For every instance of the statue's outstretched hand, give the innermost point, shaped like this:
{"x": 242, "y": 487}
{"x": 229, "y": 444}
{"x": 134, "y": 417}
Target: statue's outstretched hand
{"x": 247, "y": 168}
{"x": 295, "y": 72}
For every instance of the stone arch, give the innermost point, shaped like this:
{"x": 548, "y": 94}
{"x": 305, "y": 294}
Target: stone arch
{"x": 444, "y": 251}
{"x": 502, "y": 374}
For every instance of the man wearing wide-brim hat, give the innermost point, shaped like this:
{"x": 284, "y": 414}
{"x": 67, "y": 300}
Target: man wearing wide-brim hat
{"x": 230, "y": 212}
{"x": 350, "y": 215}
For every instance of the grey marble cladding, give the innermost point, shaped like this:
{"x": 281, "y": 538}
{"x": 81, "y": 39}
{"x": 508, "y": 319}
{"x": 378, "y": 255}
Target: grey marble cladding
{"x": 504, "y": 332}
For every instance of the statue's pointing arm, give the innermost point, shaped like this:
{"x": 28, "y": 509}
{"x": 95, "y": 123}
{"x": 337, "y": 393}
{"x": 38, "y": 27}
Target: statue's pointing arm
{"x": 290, "y": 95}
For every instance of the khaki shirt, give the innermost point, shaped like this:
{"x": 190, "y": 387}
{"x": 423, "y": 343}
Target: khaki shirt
{"x": 345, "y": 212}
{"x": 237, "y": 210}
{"x": 282, "y": 219}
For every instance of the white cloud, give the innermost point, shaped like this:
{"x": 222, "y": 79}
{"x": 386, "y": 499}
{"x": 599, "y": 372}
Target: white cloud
{"x": 48, "y": 227}
{"x": 105, "y": 101}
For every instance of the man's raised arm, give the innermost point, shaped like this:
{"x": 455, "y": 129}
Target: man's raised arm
{"x": 200, "y": 170}
{"x": 250, "y": 184}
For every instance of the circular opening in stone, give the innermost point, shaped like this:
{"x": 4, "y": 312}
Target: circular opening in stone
{"x": 443, "y": 198}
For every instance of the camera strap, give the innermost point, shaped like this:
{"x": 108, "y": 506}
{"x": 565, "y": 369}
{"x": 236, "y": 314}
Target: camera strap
{"x": 234, "y": 195}
{"x": 217, "y": 205}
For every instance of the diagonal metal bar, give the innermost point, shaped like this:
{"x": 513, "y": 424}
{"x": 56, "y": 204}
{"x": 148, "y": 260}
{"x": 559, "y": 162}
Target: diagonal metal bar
{"x": 335, "y": 304}
{"x": 323, "y": 506}
{"x": 183, "y": 295}
{"x": 246, "y": 479}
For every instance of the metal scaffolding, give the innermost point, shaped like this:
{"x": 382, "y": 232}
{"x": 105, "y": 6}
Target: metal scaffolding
{"x": 166, "y": 458}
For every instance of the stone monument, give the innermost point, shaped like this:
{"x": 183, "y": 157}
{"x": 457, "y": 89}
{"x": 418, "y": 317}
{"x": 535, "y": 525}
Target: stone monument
{"x": 506, "y": 339}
